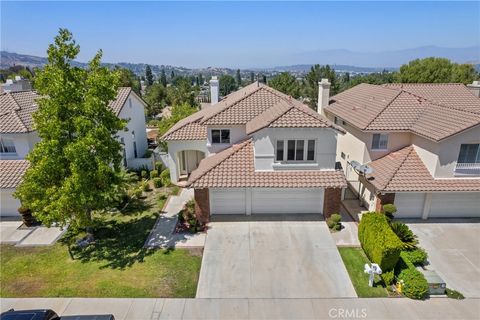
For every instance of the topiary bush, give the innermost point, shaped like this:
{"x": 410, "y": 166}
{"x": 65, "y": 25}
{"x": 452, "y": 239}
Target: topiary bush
{"x": 415, "y": 286}
{"x": 157, "y": 182}
{"x": 389, "y": 210}
{"x": 417, "y": 256}
{"x": 380, "y": 243}
{"x": 165, "y": 176}
{"x": 153, "y": 174}
{"x": 388, "y": 277}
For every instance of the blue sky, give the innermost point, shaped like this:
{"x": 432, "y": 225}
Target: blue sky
{"x": 198, "y": 34}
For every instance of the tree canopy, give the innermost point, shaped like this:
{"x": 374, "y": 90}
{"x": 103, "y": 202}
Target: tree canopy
{"x": 286, "y": 83}
{"x": 163, "y": 78}
{"x": 156, "y": 98}
{"x": 148, "y": 75}
{"x": 227, "y": 84}
{"x": 129, "y": 79}
{"x": 75, "y": 167}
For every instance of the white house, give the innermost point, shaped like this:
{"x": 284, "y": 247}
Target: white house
{"x": 18, "y": 137}
{"x": 258, "y": 151}
{"x": 422, "y": 141}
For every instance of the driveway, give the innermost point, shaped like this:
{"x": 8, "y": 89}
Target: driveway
{"x": 454, "y": 252}
{"x": 272, "y": 259}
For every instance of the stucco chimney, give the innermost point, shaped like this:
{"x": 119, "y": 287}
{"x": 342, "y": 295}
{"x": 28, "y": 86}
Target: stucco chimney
{"x": 475, "y": 88}
{"x": 214, "y": 86}
{"x": 323, "y": 95}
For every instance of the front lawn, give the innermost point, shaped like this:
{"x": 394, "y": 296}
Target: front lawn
{"x": 354, "y": 260}
{"x": 116, "y": 265}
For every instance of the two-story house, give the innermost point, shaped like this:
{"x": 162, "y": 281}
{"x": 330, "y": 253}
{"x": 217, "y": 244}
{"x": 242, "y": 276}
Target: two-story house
{"x": 258, "y": 151}
{"x": 422, "y": 142}
{"x": 18, "y": 137}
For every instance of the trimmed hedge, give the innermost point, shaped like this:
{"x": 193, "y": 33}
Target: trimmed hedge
{"x": 416, "y": 256}
{"x": 380, "y": 243}
{"x": 415, "y": 286}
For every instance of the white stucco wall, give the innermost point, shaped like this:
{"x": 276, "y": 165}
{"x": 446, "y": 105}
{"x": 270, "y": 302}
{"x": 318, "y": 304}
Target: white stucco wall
{"x": 24, "y": 142}
{"x": 174, "y": 147}
{"x": 237, "y": 133}
{"x": 134, "y": 112}
{"x": 265, "y": 141}
{"x": 8, "y": 204}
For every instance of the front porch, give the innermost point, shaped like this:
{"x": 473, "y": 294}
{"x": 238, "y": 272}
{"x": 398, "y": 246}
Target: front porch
{"x": 187, "y": 161}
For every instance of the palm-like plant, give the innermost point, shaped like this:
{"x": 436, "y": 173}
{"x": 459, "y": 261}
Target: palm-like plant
{"x": 406, "y": 235}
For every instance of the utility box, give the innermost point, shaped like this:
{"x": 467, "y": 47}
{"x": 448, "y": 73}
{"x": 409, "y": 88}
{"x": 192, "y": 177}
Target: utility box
{"x": 436, "y": 285}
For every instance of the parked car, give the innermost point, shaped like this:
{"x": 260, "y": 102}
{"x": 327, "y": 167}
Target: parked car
{"x": 48, "y": 314}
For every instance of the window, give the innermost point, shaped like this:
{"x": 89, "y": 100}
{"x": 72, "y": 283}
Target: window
{"x": 221, "y": 136}
{"x": 380, "y": 141}
{"x": 297, "y": 150}
{"x": 342, "y": 155}
{"x": 338, "y": 120}
{"x": 129, "y": 103}
{"x": 7, "y": 146}
{"x": 469, "y": 153}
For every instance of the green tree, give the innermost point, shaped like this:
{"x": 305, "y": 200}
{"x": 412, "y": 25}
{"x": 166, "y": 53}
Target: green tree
{"x": 371, "y": 78}
{"x": 264, "y": 78}
{"x": 172, "y": 75}
{"x": 316, "y": 74}
{"x": 163, "y": 78}
{"x": 286, "y": 83}
{"x": 148, "y": 75}
{"x": 128, "y": 79}
{"x": 238, "y": 78}
{"x": 181, "y": 91}
{"x": 436, "y": 70}
{"x": 227, "y": 84}
{"x": 75, "y": 167}
{"x": 252, "y": 77}
{"x": 201, "y": 80}
{"x": 156, "y": 98}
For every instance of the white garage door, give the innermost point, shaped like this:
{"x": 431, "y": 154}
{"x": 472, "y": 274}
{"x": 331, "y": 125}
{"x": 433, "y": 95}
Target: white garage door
{"x": 286, "y": 201}
{"x": 409, "y": 205}
{"x": 227, "y": 201}
{"x": 455, "y": 205}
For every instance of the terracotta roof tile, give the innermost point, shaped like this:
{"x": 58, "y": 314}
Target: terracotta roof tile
{"x": 11, "y": 173}
{"x": 435, "y": 111}
{"x": 234, "y": 168}
{"x": 119, "y": 102}
{"x": 404, "y": 170}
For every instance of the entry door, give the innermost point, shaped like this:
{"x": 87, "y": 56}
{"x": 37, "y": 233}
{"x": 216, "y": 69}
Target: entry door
{"x": 182, "y": 159}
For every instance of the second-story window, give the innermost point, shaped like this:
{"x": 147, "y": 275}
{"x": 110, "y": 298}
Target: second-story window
{"x": 469, "y": 153}
{"x": 297, "y": 150}
{"x": 7, "y": 146}
{"x": 220, "y": 136}
{"x": 380, "y": 141}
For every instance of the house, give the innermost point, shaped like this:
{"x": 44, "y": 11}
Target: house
{"x": 17, "y": 84}
{"x": 18, "y": 137}
{"x": 422, "y": 142}
{"x": 258, "y": 151}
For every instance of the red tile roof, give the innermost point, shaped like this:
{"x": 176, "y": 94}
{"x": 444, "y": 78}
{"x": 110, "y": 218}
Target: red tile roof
{"x": 11, "y": 173}
{"x": 435, "y": 111}
{"x": 234, "y": 168}
{"x": 404, "y": 170}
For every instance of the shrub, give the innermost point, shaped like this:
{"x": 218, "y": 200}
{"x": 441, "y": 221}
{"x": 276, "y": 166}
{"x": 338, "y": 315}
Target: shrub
{"x": 453, "y": 294}
{"x": 389, "y": 210}
{"x": 336, "y": 217}
{"x": 380, "y": 243}
{"x": 176, "y": 190}
{"x": 415, "y": 286}
{"x": 165, "y": 176}
{"x": 137, "y": 193}
{"x": 388, "y": 277}
{"x": 333, "y": 222}
{"x": 144, "y": 174}
{"x": 147, "y": 154}
{"x": 158, "y": 166}
{"x": 157, "y": 182}
{"x": 416, "y": 256}
{"x": 153, "y": 174}
{"x": 406, "y": 235}
{"x": 337, "y": 227}
{"x": 145, "y": 186}
{"x": 330, "y": 223}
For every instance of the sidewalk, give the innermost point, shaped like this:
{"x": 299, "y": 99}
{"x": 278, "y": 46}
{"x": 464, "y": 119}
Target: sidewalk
{"x": 146, "y": 309}
{"x": 12, "y": 232}
{"x": 162, "y": 234}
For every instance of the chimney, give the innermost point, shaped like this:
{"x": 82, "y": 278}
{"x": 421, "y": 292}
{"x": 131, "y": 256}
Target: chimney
{"x": 323, "y": 95}
{"x": 474, "y": 88}
{"x": 214, "y": 90}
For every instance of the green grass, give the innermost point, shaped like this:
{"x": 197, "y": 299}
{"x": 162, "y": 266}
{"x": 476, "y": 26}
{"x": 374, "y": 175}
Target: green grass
{"x": 117, "y": 265}
{"x": 354, "y": 260}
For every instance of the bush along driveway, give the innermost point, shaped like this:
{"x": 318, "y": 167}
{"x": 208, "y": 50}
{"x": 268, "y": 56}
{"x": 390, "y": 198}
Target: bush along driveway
{"x": 115, "y": 265}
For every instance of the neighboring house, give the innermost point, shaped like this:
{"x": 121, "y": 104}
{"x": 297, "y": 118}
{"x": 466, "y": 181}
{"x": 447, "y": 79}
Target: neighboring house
{"x": 17, "y": 84}
{"x": 18, "y": 137}
{"x": 258, "y": 151}
{"x": 422, "y": 141}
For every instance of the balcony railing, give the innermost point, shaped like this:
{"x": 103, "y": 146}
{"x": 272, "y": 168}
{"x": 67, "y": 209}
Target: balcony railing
{"x": 468, "y": 168}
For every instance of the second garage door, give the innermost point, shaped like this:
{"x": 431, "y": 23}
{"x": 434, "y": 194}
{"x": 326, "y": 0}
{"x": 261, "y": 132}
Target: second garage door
{"x": 286, "y": 201}
{"x": 455, "y": 205}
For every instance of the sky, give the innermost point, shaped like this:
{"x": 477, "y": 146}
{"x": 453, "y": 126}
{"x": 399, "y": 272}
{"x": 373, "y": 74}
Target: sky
{"x": 236, "y": 34}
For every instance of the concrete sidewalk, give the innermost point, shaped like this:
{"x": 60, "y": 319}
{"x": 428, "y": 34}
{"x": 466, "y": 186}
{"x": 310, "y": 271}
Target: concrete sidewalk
{"x": 146, "y": 309}
{"x": 13, "y": 232}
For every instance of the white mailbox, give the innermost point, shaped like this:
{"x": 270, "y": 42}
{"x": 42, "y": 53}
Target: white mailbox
{"x": 372, "y": 271}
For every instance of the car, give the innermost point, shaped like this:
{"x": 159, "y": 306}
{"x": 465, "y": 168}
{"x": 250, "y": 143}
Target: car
{"x": 48, "y": 314}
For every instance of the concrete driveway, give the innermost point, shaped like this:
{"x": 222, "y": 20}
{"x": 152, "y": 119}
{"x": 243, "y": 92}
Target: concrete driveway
{"x": 454, "y": 252}
{"x": 272, "y": 259}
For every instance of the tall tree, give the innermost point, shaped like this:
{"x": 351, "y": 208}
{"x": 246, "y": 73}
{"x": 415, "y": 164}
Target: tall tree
{"x": 227, "y": 84}
{"x": 201, "y": 80}
{"x": 436, "y": 70}
{"x": 128, "y": 79}
{"x": 286, "y": 83}
{"x": 156, "y": 99}
{"x": 252, "y": 77}
{"x": 316, "y": 74}
{"x": 75, "y": 167}
{"x": 163, "y": 78}
{"x": 172, "y": 75}
{"x": 238, "y": 78}
{"x": 264, "y": 78}
{"x": 149, "y": 75}
{"x": 181, "y": 91}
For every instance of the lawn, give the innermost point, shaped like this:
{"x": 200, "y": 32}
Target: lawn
{"x": 354, "y": 260}
{"x": 116, "y": 265}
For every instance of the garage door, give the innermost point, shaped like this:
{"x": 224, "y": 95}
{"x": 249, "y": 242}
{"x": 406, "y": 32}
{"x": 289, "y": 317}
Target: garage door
{"x": 227, "y": 201}
{"x": 8, "y": 204}
{"x": 455, "y": 205}
{"x": 409, "y": 205}
{"x": 286, "y": 201}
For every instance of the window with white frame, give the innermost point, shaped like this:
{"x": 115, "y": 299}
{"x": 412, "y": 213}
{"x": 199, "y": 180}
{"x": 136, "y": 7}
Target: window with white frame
{"x": 469, "y": 153}
{"x": 295, "y": 150}
{"x": 380, "y": 141}
{"x": 220, "y": 135}
{"x": 7, "y": 146}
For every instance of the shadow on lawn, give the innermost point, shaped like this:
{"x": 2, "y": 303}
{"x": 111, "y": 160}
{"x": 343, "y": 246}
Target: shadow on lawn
{"x": 119, "y": 238}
